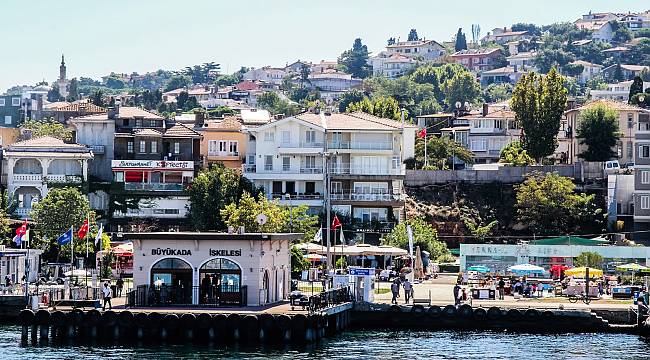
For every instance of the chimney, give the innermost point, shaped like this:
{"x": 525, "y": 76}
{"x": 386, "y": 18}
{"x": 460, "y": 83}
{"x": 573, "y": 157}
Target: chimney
{"x": 199, "y": 118}
{"x": 112, "y": 113}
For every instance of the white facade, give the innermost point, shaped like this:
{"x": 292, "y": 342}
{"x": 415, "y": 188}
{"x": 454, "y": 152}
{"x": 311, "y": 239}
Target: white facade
{"x": 391, "y": 65}
{"x": 12, "y": 264}
{"x": 97, "y": 134}
{"x": 427, "y": 49}
{"x": 266, "y": 74}
{"x": 617, "y": 92}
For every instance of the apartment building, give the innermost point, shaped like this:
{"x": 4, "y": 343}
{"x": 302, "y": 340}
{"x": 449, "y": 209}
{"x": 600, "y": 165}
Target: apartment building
{"x": 426, "y": 49}
{"x": 362, "y": 154}
{"x": 391, "y": 65}
{"x": 489, "y": 132}
{"x": 477, "y": 60}
{"x": 641, "y": 200}
{"x": 617, "y": 92}
{"x": 632, "y": 119}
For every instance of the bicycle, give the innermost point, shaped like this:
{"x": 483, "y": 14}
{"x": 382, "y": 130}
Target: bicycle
{"x": 582, "y": 297}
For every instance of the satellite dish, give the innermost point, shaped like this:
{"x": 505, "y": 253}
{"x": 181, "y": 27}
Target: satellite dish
{"x": 261, "y": 219}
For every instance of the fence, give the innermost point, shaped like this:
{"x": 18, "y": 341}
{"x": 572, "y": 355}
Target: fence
{"x": 209, "y": 296}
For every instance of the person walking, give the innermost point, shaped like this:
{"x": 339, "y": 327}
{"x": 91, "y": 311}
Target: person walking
{"x": 408, "y": 289}
{"x": 457, "y": 294}
{"x": 120, "y": 286}
{"x": 108, "y": 294}
{"x": 394, "y": 288}
{"x": 502, "y": 288}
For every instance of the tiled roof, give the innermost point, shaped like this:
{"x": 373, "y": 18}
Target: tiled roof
{"x": 227, "y": 124}
{"x": 510, "y": 33}
{"x": 147, "y": 132}
{"x": 55, "y": 105}
{"x": 492, "y": 114}
{"x": 522, "y": 55}
{"x": 503, "y": 70}
{"x": 47, "y": 146}
{"x": 81, "y": 107}
{"x": 616, "y": 49}
{"x": 131, "y": 112}
{"x": 634, "y": 67}
{"x": 412, "y": 43}
{"x": 181, "y": 130}
{"x": 477, "y": 52}
{"x": 585, "y": 63}
{"x": 247, "y": 85}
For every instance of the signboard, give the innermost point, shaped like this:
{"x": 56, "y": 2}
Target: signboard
{"x": 153, "y": 164}
{"x": 361, "y": 271}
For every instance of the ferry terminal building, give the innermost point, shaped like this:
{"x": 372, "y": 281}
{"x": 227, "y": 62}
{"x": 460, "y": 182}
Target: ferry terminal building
{"x": 210, "y": 269}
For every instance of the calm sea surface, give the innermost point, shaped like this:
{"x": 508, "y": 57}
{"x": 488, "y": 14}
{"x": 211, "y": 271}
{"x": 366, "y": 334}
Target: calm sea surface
{"x": 368, "y": 345}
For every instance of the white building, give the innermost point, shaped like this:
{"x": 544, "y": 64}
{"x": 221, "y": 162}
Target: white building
{"x": 489, "y": 132}
{"x": 391, "y": 65}
{"x": 617, "y": 92}
{"x": 589, "y": 70}
{"x": 366, "y": 164}
{"x": 32, "y": 165}
{"x": 427, "y": 49}
{"x": 266, "y": 74}
{"x": 332, "y": 83}
{"x": 523, "y": 61}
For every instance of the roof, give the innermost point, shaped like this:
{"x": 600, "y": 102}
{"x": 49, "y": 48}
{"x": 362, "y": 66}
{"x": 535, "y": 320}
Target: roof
{"x": 255, "y": 116}
{"x": 227, "y": 124}
{"x": 522, "y": 55}
{"x": 591, "y": 24}
{"x": 351, "y": 121}
{"x": 147, "y": 132}
{"x": 581, "y": 42}
{"x": 441, "y": 115}
{"x": 510, "y": 33}
{"x": 617, "y": 105}
{"x": 55, "y": 105}
{"x": 47, "y": 146}
{"x": 492, "y": 114}
{"x": 125, "y": 112}
{"x": 247, "y": 85}
{"x": 503, "y": 70}
{"x": 413, "y": 43}
{"x": 476, "y": 52}
{"x": 634, "y": 67}
{"x": 586, "y": 63}
{"x": 616, "y": 49}
{"x": 181, "y": 130}
{"x": 570, "y": 240}
{"x": 175, "y": 236}
{"x": 81, "y": 107}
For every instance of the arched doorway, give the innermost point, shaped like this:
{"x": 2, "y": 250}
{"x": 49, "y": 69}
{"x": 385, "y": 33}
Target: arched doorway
{"x": 264, "y": 298}
{"x": 171, "y": 282}
{"x": 220, "y": 281}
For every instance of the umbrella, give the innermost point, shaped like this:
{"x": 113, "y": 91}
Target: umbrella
{"x": 479, "y": 268}
{"x": 343, "y": 250}
{"x": 580, "y": 272}
{"x": 526, "y": 269}
{"x": 630, "y": 267}
{"x": 78, "y": 272}
{"x": 419, "y": 272}
{"x": 311, "y": 247}
{"x": 314, "y": 257}
{"x": 389, "y": 250}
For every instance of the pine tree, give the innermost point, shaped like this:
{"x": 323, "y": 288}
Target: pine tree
{"x": 355, "y": 60}
{"x": 461, "y": 41}
{"x": 413, "y": 35}
{"x": 635, "y": 88}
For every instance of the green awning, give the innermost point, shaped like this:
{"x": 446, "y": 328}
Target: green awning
{"x": 570, "y": 240}
{"x": 455, "y": 251}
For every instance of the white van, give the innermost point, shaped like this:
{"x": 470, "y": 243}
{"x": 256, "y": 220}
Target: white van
{"x": 611, "y": 167}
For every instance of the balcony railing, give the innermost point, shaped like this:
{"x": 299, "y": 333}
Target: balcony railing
{"x": 354, "y": 196}
{"x": 311, "y": 170}
{"x": 302, "y": 144}
{"x": 21, "y": 211}
{"x": 74, "y": 179}
{"x": 28, "y": 178}
{"x": 223, "y": 153}
{"x": 98, "y": 149}
{"x": 249, "y": 168}
{"x": 298, "y": 196}
{"x": 153, "y": 186}
{"x": 283, "y": 170}
{"x": 361, "y": 145}
{"x": 346, "y": 169}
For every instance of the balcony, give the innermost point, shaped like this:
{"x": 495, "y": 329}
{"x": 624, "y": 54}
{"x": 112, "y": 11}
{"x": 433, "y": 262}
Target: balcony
{"x": 223, "y": 153}
{"x": 28, "y": 178}
{"x": 311, "y": 170}
{"x": 356, "y": 196}
{"x": 98, "y": 149}
{"x": 64, "y": 179}
{"x": 299, "y": 196}
{"x": 133, "y": 186}
{"x": 249, "y": 168}
{"x": 22, "y": 211}
{"x": 303, "y": 147}
{"x": 303, "y": 144}
{"x": 346, "y": 169}
{"x": 361, "y": 145}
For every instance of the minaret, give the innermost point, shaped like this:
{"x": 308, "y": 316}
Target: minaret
{"x": 62, "y": 69}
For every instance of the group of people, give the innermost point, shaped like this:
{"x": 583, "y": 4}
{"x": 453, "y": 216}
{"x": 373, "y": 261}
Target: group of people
{"x": 395, "y": 287}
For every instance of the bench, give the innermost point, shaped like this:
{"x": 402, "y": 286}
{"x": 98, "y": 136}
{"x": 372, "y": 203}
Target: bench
{"x": 422, "y": 300}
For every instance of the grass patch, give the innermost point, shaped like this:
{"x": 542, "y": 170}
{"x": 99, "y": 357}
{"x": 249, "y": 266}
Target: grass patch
{"x": 382, "y": 291}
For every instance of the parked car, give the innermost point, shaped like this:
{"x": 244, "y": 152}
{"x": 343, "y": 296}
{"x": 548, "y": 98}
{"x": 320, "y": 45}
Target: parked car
{"x": 611, "y": 167}
{"x": 629, "y": 165}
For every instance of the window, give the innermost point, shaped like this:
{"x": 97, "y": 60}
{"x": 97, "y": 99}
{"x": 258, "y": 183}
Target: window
{"x": 310, "y": 187}
{"x": 337, "y": 187}
{"x": 154, "y": 147}
{"x": 143, "y": 146}
{"x": 212, "y": 147}
{"x": 177, "y": 148}
{"x": 2, "y": 102}
{"x": 310, "y": 162}
{"x": 286, "y": 137}
{"x": 223, "y": 146}
{"x": 129, "y": 147}
{"x": 645, "y": 202}
{"x": 7, "y": 119}
{"x": 251, "y": 159}
{"x": 645, "y": 177}
{"x": 119, "y": 176}
{"x": 268, "y": 162}
{"x": 630, "y": 121}
{"x": 269, "y": 136}
{"x": 277, "y": 187}
{"x": 310, "y": 136}
{"x": 138, "y": 123}
{"x": 233, "y": 147}
{"x": 644, "y": 151}
{"x": 15, "y": 101}
{"x": 286, "y": 163}
{"x": 478, "y": 145}
{"x": 396, "y": 162}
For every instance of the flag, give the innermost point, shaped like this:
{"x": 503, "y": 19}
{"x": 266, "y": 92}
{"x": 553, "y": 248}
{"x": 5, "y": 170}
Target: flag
{"x": 342, "y": 238}
{"x": 422, "y": 133}
{"x": 336, "y": 223}
{"x": 26, "y": 238}
{"x": 66, "y": 237}
{"x": 319, "y": 236}
{"x": 20, "y": 232}
{"x": 18, "y": 240}
{"x": 83, "y": 230}
{"x": 98, "y": 237}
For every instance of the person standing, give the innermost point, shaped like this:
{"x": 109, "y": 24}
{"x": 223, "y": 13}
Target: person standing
{"x": 108, "y": 294}
{"x": 408, "y": 288}
{"x": 502, "y": 288}
{"x": 394, "y": 288}
{"x": 120, "y": 286}
{"x": 457, "y": 294}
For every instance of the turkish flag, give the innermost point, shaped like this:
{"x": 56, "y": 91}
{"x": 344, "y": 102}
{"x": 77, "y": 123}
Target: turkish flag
{"x": 422, "y": 133}
{"x": 83, "y": 230}
{"x": 22, "y": 229}
{"x": 336, "y": 223}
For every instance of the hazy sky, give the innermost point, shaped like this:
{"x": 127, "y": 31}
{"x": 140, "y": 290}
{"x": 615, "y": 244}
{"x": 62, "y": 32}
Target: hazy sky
{"x": 98, "y": 37}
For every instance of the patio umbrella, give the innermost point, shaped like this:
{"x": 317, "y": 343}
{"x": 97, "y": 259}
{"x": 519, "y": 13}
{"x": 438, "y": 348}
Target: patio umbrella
{"x": 526, "y": 269}
{"x": 631, "y": 267}
{"x": 389, "y": 250}
{"x": 479, "y": 268}
{"x": 580, "y": 272}
{"x": 419, "y": 271}
{"x": 314, "y": 257}
{"x": 311, "y": 247}
{"x": 556, "y": 270}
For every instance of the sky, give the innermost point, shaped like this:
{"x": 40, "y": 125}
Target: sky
{"x": 99, "y": 37}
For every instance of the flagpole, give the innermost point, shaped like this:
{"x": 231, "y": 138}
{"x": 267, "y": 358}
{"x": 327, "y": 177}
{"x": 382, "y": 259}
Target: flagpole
{"x": 72, "y": 249}
{"x": 425, "y": 148}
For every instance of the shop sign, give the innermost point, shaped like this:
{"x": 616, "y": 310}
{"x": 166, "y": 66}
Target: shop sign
{"x": 487, "y": 250}
{"x": 153, "y": 164}
{"x": 170, "y": 251}
{"x": 221, "y": 252}
{"x": 361, "y": 271}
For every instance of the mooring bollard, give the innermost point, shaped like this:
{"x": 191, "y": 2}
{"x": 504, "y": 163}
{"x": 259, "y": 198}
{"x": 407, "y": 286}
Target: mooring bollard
{"x": 153, "y": 325}
{"x": 188, "y": 321}
{"x": 43, "y": 321}
{"x": 58, "y": 325}
{"x": 27, "y": 318}
{"x": 204, "y": 324}
{"x": 108, "y": 323}
{"x": 170, "y": 324}
{"x": 250, "y": 328}
{"x": 299, "y": 328}
{"x": 268, "y": 329}
{"x": 233, "y": 322}
{"x": 92, "y": 319}
{"x": 283, "y": 322}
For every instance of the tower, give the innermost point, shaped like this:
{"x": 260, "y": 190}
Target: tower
{"x": 62, "y": 82}
{"x": 62, "y": 69}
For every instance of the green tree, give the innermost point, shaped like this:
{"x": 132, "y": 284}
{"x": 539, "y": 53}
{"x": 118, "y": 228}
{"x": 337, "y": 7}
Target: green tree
{"x": 114, "y": 82}
{"x": 635, "y": 88}
{"x": 73, "y": 90}
{"x": 572, "y": 69}
{"x": 424, "y": 236}
{"x": 61, "y": 209}
{"x": 355, "y": 60}
{"x": 589, "y": 259}
{"x": 177, "y": 82}
{"x": 638, "y": 54}
{"x": 552, "y": 56}
{"x": 273, "y": 103}
{"x": 548, "y": 205}
{"x": 413, "y": 35}
{"x": 461, "y": 41}
{"x": 497, "y": 92}
{"x": 462, "y": 88}
{"x": 298, "y": 261}
{"x": 383, "y": 107}
{"x": 350, "y": 97}
{"x": 440, "y": 151}
{"x": 48, "y": 127}
{"x": 480, "y": 231}
{"x": 532, "y": 29}
{"x": 212, "y": 190}
{"x": 514, "y": 154}
{"x": 539, "y": 103}
{"x": 598, "y": 129}
{"x": 97, "y": 98}
{"x": 54, "y": 94}
{"x": 620, "y": 32}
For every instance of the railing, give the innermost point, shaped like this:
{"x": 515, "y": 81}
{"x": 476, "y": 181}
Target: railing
{"x": 346, "y": 169}
{"x": 153, "y": 186}
{"x": 353, "y": 196}
{"x": 283, "y": 170}
{"x": 361, "y": 145}
{"x": 297, "y": 196}
{"x": 311, "y": 170}
{"x": 303, "y": 144}
{"x": 163, "y": 296}
{"x": 28, "y": 178}
{"x": 98, "y": 149}
{"x": 22, "y": 211}
{"x": 249, "y": 168}
{"x": 62, "y": 178}
{"x": 223, "y": 153}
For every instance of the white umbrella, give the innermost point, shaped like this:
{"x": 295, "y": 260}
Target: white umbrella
{"x": 78, "y": 272}
{"x": 526, "y": 269}
{"x": 314, "y": 257}
{"x": 389, "y": 250}
{"x": 311, "y": 247}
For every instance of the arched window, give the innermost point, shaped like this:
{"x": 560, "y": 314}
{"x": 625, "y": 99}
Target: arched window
{"x": 172, "y": 264}
{"x": 220, "y": 264}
